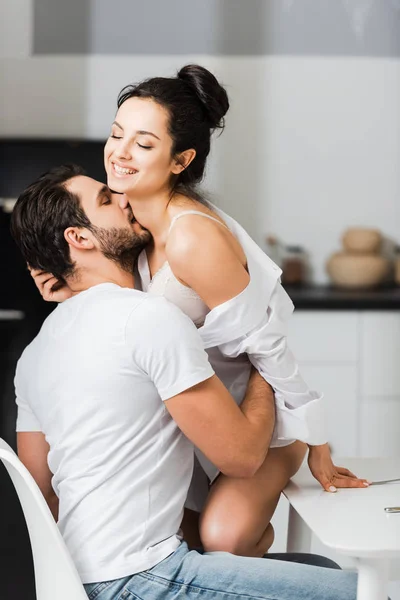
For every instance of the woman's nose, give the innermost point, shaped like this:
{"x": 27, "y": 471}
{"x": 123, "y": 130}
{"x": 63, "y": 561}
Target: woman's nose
{"x": 122, "y": 150}
{"x": 123, "y": 201}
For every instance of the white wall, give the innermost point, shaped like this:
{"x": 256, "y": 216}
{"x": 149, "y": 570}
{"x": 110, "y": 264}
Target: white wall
{"x": 312, "y": 144}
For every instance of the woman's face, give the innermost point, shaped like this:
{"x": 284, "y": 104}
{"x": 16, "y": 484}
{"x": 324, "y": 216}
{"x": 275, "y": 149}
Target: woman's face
{"x": 137, "y": 154}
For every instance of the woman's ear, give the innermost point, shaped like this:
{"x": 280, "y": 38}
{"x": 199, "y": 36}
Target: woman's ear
{"x": 183, "y": 160}
{"x": 78, "y": 238}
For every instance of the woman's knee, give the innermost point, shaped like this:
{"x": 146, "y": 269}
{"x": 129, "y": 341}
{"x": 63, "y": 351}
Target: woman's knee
{"x": 218, "y": 535}
{"x": 235, "y": 537}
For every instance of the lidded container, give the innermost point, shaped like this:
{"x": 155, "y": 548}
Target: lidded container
{"x": 294, "y": 266}
{"x": 397, "y": 265}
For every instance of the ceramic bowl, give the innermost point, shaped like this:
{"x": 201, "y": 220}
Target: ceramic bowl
{"x": 362, "y": 241}
{"x": 357, "y": 270}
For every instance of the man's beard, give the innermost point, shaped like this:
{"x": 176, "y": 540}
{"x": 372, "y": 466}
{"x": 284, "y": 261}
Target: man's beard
{"x": 122, "y": 245}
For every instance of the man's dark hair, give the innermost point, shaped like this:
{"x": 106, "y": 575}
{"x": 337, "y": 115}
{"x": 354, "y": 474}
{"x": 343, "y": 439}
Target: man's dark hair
{"x": 42, "y": 213}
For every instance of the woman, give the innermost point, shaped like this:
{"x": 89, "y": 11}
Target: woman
{"x": 202, "y": 260}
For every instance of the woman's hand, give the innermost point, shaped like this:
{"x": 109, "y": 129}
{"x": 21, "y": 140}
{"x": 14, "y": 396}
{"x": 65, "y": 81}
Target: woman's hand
{"x": 50, "y": 288}
{"x": 329, "y": 476}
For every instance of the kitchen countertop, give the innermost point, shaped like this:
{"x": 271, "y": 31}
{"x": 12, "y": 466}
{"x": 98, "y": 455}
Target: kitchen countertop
{"x": 325, "y": 297}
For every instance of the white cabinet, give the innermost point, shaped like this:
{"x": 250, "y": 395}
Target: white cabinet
{"x": 352, "y": 357}
{"x": 380, "y": 354}
{"x": 324, "y": 336}
{"x": 339, "y": 386}
{"x": 379, "y": 426}
{"x": 326, "y": 346}
{"x": 379, "y": 372}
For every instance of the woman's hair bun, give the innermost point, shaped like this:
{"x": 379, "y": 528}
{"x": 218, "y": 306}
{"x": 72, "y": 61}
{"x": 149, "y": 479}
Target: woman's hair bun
{"x": 209, "y": 91}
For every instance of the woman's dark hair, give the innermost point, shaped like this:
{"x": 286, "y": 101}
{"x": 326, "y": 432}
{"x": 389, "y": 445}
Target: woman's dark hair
{"x": 42, "y": 213}
{"x": 196, "y": 104}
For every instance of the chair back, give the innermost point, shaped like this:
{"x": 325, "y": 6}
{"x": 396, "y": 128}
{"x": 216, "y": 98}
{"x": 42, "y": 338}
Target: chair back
{"x": 56, "y": 577}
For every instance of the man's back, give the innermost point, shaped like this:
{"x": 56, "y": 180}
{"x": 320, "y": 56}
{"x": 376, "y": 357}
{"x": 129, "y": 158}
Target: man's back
{"x": 92, "y": 384}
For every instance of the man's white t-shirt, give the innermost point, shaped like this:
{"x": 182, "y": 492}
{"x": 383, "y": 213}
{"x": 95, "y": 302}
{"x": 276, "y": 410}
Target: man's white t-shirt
{"x": 93, "y": 382}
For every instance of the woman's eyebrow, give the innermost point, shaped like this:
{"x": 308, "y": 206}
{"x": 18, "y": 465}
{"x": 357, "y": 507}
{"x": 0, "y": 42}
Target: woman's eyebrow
{"x": 143, "y": 132}
{"x": 139, "y": 132}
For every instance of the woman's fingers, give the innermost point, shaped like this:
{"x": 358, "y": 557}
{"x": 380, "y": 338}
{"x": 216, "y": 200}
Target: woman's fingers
{"x": 47, "y": 291}
{"x": 349, "y": 482}
{"x": 39, "y": 276}
{"x": 51, "y": 288}
{"x": 344, "y": 471}
{"x": 331, "y": 482}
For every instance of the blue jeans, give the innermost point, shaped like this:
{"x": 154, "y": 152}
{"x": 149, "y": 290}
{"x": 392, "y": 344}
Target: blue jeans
{"x": 188, "y": 574}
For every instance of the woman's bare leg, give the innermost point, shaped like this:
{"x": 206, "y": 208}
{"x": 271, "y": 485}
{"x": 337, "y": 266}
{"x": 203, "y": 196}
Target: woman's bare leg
{"x": 190, "y": 528}
{"x": 237, "y": 514}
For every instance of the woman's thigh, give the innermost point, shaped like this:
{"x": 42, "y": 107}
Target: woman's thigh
{"x": 238, "y": 511}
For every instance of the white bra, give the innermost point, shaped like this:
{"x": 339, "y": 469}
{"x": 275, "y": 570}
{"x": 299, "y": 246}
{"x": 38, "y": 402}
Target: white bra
{"x": 164, "y": 283}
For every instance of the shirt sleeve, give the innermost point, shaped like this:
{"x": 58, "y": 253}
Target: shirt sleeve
{"x": 26, "y": 419}
{"x": 167, "y": 347}
{"x": 300, "y": 410}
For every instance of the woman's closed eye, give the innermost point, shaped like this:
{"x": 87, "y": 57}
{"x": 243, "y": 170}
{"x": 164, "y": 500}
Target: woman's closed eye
{"x": 116, "y": 137}
{"x": 144, "y": 147}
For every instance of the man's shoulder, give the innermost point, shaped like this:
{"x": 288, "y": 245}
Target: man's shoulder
{"x": 106, "y": 299}
{"x": 158, "y": 308}
{"x": 122, "y": 305}
{"x": 131, "y": 299}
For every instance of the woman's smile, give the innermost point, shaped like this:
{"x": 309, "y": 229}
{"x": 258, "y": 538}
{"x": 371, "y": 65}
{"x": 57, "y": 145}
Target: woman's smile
{"x": 122, "y": 171}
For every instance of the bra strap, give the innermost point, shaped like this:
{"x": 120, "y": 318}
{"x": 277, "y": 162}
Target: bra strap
{"x": 194, "y": 212}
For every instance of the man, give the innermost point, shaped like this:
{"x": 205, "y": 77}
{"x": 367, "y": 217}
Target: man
{"x": 105, "y": 394}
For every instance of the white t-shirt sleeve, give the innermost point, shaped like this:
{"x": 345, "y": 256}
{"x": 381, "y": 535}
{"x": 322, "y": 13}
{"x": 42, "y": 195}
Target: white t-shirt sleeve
{"x": 167, "y": 347}
{"x": 26, "y": 419}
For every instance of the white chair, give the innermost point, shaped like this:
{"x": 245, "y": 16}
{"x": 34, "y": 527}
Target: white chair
{"x": 56, "y": 577}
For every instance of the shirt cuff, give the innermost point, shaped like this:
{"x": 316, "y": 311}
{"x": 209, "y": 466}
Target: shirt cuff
{"x": 305, "y": 423}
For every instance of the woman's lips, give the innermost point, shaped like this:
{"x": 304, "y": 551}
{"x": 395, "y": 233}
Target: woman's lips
{"x": 120, "y": 171}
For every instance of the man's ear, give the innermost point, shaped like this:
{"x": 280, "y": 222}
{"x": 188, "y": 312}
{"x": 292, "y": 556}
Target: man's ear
{"x": 78, "y": 238}
{"x": 183, "y": 160}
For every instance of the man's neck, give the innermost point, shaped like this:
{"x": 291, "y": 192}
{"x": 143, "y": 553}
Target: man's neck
{"x": 86, "y": 278}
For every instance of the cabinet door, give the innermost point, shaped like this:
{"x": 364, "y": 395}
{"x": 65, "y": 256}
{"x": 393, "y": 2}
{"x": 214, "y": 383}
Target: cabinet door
{"x": 380, "y": 354}
{"x": 380, "y": 426}
{"x": 324, "y": 336}
{"x": 339, "y": 385}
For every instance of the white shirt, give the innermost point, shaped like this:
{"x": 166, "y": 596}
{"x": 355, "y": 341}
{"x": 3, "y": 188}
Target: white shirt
{"x": 93, "y": 381}
{"x": 255, "y": 323}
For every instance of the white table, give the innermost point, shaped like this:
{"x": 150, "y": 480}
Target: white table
{"x": 351, "y": 521}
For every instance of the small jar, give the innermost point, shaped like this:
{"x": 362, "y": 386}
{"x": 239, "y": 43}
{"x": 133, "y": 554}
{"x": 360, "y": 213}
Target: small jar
{"x": 397, "y": 265}
{"x": 293, "y": 266}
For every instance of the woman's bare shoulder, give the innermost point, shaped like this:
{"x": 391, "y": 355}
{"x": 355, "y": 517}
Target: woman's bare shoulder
{"x": 183, "y": 204}
{"x": 192, "y": 234}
